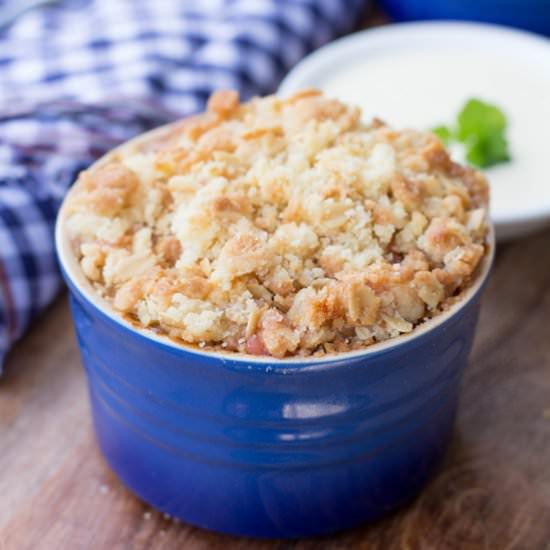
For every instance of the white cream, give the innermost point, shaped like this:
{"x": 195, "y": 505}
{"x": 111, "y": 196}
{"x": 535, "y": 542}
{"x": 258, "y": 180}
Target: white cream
{"x": 425, "y": 87}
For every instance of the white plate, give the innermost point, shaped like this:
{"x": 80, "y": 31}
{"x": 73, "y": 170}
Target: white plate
{"x": 390, "y": 70}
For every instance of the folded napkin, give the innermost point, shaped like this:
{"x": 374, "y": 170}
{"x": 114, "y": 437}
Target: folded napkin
{"x": 80, "y": 76}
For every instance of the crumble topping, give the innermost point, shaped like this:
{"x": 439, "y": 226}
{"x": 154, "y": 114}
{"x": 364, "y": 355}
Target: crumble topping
{"x": 279, "y": 227}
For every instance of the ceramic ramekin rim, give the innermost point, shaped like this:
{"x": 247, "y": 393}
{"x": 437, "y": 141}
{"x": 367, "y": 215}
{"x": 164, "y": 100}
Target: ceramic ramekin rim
{"x": 74, "y": 274}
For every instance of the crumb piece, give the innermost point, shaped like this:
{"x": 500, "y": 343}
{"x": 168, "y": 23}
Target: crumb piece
{"x": 224, "y": 102}
{"x": 109, "y": 188}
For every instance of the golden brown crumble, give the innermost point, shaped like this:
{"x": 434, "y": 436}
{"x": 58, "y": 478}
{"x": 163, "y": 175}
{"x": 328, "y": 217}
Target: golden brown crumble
{"x": 280, "y": 227}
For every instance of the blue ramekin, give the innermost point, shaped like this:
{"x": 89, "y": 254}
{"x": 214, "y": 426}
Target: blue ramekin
{"x": 265, "y": 447}
{"x": 531, "y": 15}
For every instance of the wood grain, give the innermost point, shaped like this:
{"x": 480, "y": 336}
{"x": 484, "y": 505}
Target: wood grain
{"x": 493, "y": 492}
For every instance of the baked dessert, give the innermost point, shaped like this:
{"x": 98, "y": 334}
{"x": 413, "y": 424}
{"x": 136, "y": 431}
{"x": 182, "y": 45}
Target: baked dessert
{"x": 279, "y": 227}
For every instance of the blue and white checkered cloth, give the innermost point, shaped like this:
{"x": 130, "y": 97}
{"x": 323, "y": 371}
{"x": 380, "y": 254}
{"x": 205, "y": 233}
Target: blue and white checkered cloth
{"x": 78, "y": 77}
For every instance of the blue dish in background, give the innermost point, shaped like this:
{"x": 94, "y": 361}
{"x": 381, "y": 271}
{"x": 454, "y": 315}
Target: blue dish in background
{"x": 533, "y": 15}
{"x": 265, "y": 447}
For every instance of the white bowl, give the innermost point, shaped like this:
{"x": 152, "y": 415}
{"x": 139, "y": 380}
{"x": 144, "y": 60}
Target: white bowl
{"x": 376, "y": 69}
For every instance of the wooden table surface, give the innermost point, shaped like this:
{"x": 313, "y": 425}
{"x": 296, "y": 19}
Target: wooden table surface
{"x": 56, "y": 492}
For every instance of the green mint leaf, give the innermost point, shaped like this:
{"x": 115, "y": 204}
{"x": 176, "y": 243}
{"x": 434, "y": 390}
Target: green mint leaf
{"x": 479, "y": 119}
{"x": 481, "y": 129}
{"x": 497, "y": 149}
{"x": 443, "y": 133}
{"x": 487, "y": 152}
{"x": 475, "y": 154}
